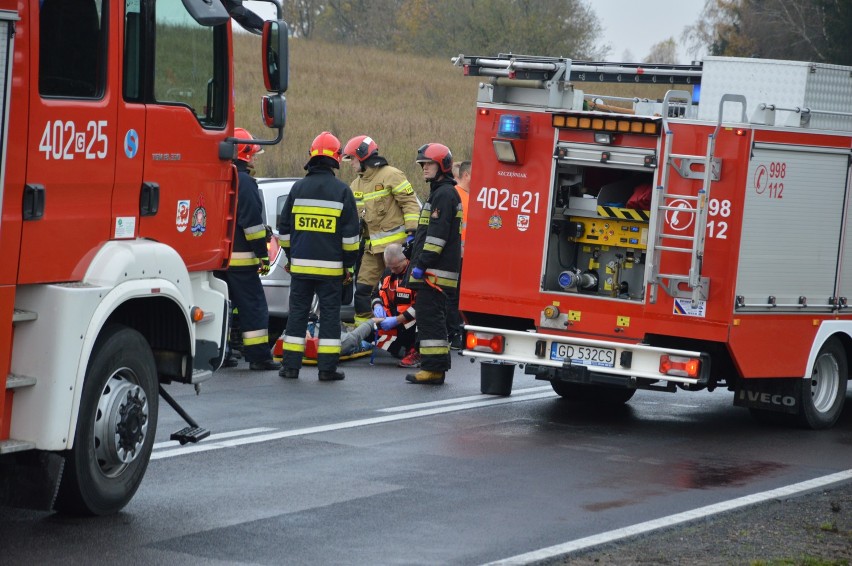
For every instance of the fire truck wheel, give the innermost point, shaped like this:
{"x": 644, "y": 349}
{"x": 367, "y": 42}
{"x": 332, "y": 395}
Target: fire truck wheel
{"x": 821, "y": 397}
{"x": 593, "y": 394}
{"x": 115, "y": 428}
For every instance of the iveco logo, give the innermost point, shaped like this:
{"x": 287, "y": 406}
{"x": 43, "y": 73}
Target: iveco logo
{"x": 512, "y": 174}
{"x": 767, "y": 398}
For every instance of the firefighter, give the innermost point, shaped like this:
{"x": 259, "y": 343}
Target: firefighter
{"x": 388, "y": 208}
{"x": 435, "y": 262}
{"x": 249, "y": 260}
{"x": 318, "y": 230}
{"x": 393, "y": 307}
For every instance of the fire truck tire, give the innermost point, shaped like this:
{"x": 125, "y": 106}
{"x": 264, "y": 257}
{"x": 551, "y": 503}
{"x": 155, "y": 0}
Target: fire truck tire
{"x": 822, "y": 396}
{"x": 592, "y": 394}
{"x": 115, "y": 428}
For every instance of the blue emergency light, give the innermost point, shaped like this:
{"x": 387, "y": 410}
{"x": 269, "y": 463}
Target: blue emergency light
{"x": 509, "y": 126}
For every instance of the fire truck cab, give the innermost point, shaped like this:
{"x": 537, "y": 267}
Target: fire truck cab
{"x": 692, "y": 241}
{"x": 118, "y": 204}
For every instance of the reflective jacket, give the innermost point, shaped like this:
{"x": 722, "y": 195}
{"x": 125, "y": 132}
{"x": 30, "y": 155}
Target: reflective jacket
{"x": 395, "y": 297}
{"x": 318, "y": 226}
{"x": 437, "y": 242}
{"x": 387, "y": 204}
{"x": 250, "y": 233}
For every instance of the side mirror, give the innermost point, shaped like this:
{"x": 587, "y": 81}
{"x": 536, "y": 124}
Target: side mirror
{"x": 276, "y": 56}
{"x": 274, "y": 110}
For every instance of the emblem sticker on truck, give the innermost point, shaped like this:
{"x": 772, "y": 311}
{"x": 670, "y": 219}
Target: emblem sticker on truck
{"x": 684, "y": 307}
{"x": 182, "y": 219}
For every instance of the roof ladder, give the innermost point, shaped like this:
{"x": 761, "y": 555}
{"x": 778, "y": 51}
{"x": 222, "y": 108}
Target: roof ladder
{"x": 698, "y": 287}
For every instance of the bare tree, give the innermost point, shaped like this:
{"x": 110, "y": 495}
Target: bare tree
{"x": 302, "y": 16}
{"x": 664, "y": 52}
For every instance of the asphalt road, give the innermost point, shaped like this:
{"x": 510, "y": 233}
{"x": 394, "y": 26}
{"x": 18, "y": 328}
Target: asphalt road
{"x": 372, "y": 470}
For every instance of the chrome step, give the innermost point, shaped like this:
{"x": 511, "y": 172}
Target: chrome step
{"x": 24, "y": 316}
{"x": 17, "y": 381}
{"x": 9, "y": 446}
{"x": 201, "y": 375}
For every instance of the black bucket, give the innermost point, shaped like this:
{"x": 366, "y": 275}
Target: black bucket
{"x": 496, "y": 377}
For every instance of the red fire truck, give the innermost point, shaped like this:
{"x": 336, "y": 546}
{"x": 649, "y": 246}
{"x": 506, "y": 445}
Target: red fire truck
{"x": 118, "y": 200}
{"x": 696, "y": 241}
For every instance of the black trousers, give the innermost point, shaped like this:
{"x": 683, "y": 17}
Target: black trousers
{"x": 302, "y": 290}
{"x": 432, "y": 329}
{"x": 246, "y": 293}
{"x": 454, "y": 319}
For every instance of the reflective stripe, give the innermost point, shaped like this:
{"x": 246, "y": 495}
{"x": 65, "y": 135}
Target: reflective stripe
{"x": 436, "y": 351}
{"x": 433, "y": 248}
{"x": 438, "y": 242}
{"x": 288, "y": 347}
{"x": 255, "y": 232}
{"x": 377, "y": 194}
{"x": 316, "y": 210}
{"x": 255, "y": 337}
{"x": 328, "y": 346}
{"x": 431, "y": 343}
{"x": 411, "y": 217}
{"x": 403, "y": 188}
{"x": 294, "y": 339}
{"x": 351, "y": 244}
{"x": 326, "y": 272}
{"x": 317, "y": 206}
{"x": 242, "y": 255}
{"x": 382, "y": 238}
{"x": 302, "y": 262}
{"x": 444, "y": 274}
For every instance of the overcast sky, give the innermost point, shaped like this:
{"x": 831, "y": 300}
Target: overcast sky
{"x": 633, "y": 25}
{"x": 636, "y": 25}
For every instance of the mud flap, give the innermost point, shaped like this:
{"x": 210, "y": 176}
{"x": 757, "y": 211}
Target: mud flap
{"x": 778, "y": 395}
{"x": 30, "y": 480}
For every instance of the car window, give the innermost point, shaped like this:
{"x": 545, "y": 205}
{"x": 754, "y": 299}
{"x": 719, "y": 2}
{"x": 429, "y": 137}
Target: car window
{"x": 279, "y": 206}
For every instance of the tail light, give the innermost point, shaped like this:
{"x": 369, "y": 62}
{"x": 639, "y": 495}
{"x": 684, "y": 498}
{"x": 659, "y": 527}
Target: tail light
{"x": 273, "y": 249}
{"x": 680, "y": 366}
{"x": 485, "y": 342}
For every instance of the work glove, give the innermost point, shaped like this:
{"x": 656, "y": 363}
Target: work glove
{"x": 417, "y": 273}
{"x": 389, "y": 323}
{"x": 269, "y": 233}
{"x": 287, "y": 267}
{"x": 347, "y": 275}
{"x": 407, "y": 245}
{"x": 264, "y": 266}
{"x": 379, "y": 311}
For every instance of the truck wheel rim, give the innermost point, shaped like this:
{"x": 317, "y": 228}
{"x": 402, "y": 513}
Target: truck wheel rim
{"x": 824, "y": 382}
{"x": 121, "y": 422}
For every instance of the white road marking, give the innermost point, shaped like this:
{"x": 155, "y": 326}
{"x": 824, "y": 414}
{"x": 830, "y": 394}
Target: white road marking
{"x": 206, "y": 445}
{"x": 521, "y": 391}
{"x": 671, "y": 520}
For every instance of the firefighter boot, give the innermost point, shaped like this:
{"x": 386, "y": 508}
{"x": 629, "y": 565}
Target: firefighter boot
{"x": 332, "y": 375}
{"x": 265, "y": 365}
{"x": 289, "y": 373}
{"x": 426, "y": 376}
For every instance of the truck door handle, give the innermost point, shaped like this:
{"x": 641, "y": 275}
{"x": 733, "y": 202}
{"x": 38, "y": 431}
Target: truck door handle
{"x": 149, "y": 199}
{"x": 33, "y": 205}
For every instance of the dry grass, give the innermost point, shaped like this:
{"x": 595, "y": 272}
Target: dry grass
{"x": 401, "y": 101}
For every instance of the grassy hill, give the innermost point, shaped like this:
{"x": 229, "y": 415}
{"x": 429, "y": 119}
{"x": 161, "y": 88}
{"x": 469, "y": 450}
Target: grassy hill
{"x": 402, "y": 101}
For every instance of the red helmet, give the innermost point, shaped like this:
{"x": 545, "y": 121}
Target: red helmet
{"x": 326, "y": 144}
{"x": 245, "y": 151}
{"x": 439, "y": 153}
{"x": 360, "y": 147}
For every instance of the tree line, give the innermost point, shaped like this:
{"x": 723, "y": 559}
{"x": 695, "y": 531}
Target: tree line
{"x": 805, "y": 30}
{"x": 802, "y": 30}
